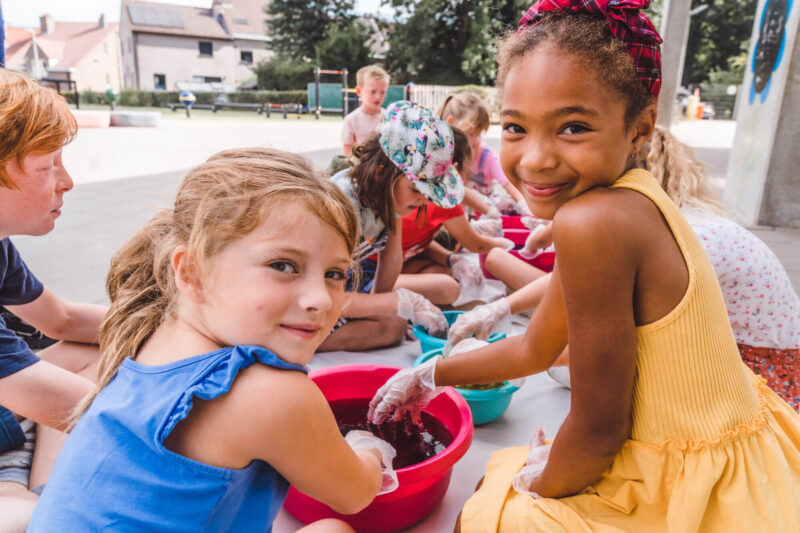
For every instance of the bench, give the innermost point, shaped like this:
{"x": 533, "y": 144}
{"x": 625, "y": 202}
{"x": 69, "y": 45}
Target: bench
{"x": 259, "y": 108}
{"x": 173, "y": 106}
{"x": 284, "y": 108}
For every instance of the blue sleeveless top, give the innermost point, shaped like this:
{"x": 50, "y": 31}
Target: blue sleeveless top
{"x": 114, "y": 474}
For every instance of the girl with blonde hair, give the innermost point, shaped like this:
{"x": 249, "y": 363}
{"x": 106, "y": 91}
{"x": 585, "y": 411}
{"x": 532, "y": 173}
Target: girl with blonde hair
{"x": 203, "y": 413}
{"x": 763, "y": 307}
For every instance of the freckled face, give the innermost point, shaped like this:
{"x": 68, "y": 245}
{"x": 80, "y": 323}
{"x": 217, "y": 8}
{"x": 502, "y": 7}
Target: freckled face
{"x": 281, "y": 286}
{"x": 563, "y": 133}
{"x": 32, "y": 208}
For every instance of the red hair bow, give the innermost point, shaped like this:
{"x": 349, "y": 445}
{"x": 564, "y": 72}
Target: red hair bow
{"x": 627, "y": 24}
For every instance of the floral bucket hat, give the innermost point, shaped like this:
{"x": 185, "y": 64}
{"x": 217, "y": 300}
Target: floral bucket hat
{"x": 421, "y": 145}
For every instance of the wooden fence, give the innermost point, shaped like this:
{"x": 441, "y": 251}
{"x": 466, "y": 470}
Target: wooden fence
{"x": 432, "y": 97}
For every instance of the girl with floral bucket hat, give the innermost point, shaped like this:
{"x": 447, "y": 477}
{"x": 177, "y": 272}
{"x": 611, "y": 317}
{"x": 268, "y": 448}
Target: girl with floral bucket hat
{"x": 396, "y": 173}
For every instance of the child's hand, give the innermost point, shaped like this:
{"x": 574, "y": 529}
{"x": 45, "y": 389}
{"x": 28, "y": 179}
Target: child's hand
{"x": 538, "y": 454}
{"x": 522, "y": 208}
{"x": 488, "y": 227}
{"x": 493, "y": 213}
{"x": 408, "y": 391}
{"x": 539, "y": 238}
{"x": 420, "y": 311}
{"x": 480, "y": 322}
{"x": 467, "y": 274}
{"x": 364, "y": 440}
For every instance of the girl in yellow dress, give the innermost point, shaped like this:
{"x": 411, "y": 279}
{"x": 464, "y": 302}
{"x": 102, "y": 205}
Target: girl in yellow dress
{"x": 667, "y": 430}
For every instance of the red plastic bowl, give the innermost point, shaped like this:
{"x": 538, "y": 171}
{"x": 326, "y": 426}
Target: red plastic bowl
{"x": 422, "y": 485}
{"x": 544, "y": 261}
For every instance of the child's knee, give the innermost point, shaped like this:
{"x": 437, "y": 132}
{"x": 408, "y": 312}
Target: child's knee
{"x": 391, "y": 330}
{"x": 495, "y": 258}
{"x": 449, "y": 291}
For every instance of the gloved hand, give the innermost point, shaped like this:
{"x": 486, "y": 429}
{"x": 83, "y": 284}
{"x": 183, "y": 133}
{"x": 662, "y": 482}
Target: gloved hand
{"x": 538, "y": 239}
{"x": 508, "y": 244}
{"x": 364, "y": 440}
{"x": 488, "y": 227}
{"x": 534, "y": 464}
{"x": 493, "y": 213}
{"x": 479, "y": 322}
{"x": 408, "y": 391}
{"x": 522, "y": 208}
{"x": 532, "y": 222}
{"x": 467, "y": 274}
{"x": 419, "y": 310}
{"x": 467, "y": 345}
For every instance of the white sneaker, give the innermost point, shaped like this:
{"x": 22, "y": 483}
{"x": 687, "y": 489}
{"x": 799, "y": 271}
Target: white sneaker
{"x": 560, "y": 374}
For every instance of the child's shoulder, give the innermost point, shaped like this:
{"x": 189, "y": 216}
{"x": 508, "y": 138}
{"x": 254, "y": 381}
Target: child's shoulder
{"x": 616, "y": 219}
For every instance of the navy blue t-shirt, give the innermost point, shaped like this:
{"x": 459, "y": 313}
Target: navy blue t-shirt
{"x": 18, "y": 286}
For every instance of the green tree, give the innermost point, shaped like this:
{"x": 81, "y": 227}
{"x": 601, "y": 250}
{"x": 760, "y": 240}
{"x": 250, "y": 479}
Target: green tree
{"x": 283, "y": 74}
{"x": 717, "y": 36}
{"x": 297, "y": 27}
{"x": 448, "y": 41}
{"x": 345, "y": 47}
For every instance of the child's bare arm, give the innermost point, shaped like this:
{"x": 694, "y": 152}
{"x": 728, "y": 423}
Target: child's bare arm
{"x": 472, "y": 240}
{"x": 59, "y": 319}
{"x": 293, "y": 429}
{"x": 598, "y": 261}
{"x": 475, "y": 200}
{"x": 44, "y": 393}
{"x": 390, "y": 262}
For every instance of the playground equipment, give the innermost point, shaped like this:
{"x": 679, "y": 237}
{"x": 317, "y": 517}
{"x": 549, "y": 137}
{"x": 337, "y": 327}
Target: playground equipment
{"x": 112, "y": 97}
{"x": 318, "y": 72}
{"x": 187, "y": 98}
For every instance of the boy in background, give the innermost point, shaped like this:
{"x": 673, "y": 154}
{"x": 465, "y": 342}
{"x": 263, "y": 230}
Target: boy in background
{"x": 371, "y": 85}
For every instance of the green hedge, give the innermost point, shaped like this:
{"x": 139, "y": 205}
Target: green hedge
{"x": 132, "y": 98}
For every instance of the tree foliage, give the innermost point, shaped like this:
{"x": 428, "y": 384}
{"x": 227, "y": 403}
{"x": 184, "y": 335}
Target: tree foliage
{"x": 448, "y": 41}
{"x": 345, "y": 47}
{"x": 717, "y": 37}
{"x": 297, "y": 27}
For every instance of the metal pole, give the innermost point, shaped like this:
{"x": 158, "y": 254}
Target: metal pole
{"x": 675, "y": 31}
{"x": 316, "y": 89}
{"x": 345, "y": 94}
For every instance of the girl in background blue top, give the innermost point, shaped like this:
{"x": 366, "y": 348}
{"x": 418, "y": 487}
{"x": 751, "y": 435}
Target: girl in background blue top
{"x": 203, "y": 413}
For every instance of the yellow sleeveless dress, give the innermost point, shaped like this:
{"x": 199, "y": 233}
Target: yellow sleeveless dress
{"x": 712, "y": 448}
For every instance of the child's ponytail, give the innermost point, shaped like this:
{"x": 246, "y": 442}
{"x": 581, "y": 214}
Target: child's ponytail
{"x": 680, "y": 174}
{"x": 141, "y": 286}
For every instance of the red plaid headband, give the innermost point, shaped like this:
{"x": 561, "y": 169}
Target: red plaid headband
{"x": 627, "y": 24}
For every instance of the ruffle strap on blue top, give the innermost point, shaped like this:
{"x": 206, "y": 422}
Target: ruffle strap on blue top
{"x": 217, "y": 378}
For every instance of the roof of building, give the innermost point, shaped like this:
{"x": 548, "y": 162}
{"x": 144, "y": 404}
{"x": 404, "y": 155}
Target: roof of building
{"x": 70, "y": 42}
{"x": 225, "y": 20}
{"x": 67, "y": 44}
{"x": 18, "y": 41}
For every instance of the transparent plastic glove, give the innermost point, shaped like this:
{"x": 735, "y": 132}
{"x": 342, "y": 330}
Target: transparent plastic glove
{"x": 479, "y": 322}
{"x": 488, "y": 227}
{"x": 504, "y": 203}
{"x": 408, "y": 391}
{"x": 532, "y": 222}
{"x": 538, "y": 239}
{"x": 508, "y": 244}
{"x": 420, "y": 311}
{"x": 522, "y": 208}
{"x": 467, "y": 345}
{"x": 534, "y": 464}
{"x": 364, "y": 440}
{"x": 493, "y": 213}
{"x": 467, "y": 274}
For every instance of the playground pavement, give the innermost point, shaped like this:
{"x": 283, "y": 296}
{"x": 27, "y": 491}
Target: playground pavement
{"x": 123, "y": 175}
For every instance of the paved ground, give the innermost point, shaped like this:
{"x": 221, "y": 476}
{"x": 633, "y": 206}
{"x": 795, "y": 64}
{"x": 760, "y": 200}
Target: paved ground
{"x": 124, "y": 175}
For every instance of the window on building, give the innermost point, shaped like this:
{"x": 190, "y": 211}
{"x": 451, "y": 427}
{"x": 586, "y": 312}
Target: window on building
{"x": 207, "y": 79}
{"x": 206, "y": 48}
{"x": 247, "y": 56}
{"x": 160, "y": 81}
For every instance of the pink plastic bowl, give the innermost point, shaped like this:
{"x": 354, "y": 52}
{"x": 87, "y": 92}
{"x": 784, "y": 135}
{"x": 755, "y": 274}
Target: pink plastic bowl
{"x": 422, "y": 486}
{"x": 512, "y": 222}
{"x": 544, "y": 261}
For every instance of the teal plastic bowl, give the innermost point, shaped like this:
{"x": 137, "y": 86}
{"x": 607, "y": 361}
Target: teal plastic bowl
{"x": 486, "y": 405}
{"x": 429, "y": 342}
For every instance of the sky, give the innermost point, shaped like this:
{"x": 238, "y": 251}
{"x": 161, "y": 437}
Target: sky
{"x": 25, "y": 13}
